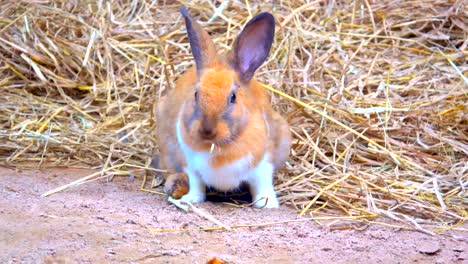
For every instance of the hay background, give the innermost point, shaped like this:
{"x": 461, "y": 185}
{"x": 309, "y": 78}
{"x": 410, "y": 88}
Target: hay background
{"x": 378, "y": 95}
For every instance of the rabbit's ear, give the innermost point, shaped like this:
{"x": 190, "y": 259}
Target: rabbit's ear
{"x": 252, "y": 46}
{"x": 203, "y": 48}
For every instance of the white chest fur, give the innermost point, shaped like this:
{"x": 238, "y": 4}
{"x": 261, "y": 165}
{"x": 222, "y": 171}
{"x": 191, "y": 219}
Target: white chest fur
{"x": 224, "y": 178}
{"x": 228, "y": 177}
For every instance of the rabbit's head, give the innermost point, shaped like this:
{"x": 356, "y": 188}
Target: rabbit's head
{"x": 221, "y": 101}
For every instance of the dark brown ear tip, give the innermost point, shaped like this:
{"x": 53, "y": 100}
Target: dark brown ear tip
{"x": 264, "y": 16}
{"x": 184, "y": 12}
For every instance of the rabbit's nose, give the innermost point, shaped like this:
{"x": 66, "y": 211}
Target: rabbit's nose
{"x": 207, "y": 128}
{"x": 207, "y": 133}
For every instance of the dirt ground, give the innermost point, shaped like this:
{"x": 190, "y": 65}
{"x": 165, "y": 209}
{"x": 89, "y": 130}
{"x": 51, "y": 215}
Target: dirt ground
{"x": 109, "y": 222}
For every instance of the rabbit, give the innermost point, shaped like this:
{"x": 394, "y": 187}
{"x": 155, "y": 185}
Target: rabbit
{"x": 217, "y": 128}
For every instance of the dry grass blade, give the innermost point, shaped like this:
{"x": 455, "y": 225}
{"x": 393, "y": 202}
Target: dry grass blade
{"x": 376, "y": 93}
{"x": 185, "y": 206}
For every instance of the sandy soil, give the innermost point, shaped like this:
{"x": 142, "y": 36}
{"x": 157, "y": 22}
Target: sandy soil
{"x": 108, "y": 222}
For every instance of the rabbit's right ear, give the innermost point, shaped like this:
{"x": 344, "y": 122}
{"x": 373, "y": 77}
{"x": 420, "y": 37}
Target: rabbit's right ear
{"x": 203, "y": 48}
{"x": 252, "y": 46}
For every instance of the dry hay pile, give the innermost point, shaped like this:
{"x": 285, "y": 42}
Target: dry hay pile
{"x": 375, "y": 91}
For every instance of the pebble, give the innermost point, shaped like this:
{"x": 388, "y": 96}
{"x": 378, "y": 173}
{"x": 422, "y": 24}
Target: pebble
{"x": 428, "y": 247}
{"x": 378, "y": 234}
{"x": 458, "y": 248}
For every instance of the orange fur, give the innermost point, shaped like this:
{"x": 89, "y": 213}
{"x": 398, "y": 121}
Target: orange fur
{"x": 215, "y": 83}
{"x": 253, "y": 97}
{"x": 215, "y": 261}
{"x": 260, "y": 129}
{"x": 176, "y": 185}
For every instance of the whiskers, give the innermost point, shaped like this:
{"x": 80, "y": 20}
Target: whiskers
{"x": 234, "y": 144}
{"x": 229, "y": 141}
{"x": 216, "y": 147}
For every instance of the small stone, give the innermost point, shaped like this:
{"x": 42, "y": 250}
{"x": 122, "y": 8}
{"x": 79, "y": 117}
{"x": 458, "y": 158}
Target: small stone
{"x": 458, "y": 248}
{"x": 462, "y": 255}
{"x": 428, "y": 247}
{"x": 315, "y": 234}
{"x": 301, "y": 235}
{"x": 378, "y": 234}
{"x": 130, "y": 221}
{"x": 359, "y": 248}
{"x": 171, "y": 252}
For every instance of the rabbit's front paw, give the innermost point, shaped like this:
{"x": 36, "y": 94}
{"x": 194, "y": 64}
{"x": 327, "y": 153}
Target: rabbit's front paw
{"x": 193, "y": 197}
{"x": 176, "y": 185}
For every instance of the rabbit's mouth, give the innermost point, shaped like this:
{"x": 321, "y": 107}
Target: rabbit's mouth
{"x": 217, "y": 143}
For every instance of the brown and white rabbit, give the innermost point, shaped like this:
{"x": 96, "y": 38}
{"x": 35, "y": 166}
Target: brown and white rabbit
{"x": 217, "y": 128}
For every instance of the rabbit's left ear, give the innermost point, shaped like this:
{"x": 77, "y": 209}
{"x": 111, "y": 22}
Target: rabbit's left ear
{"x": 203, "y": 48}
{"x": 252, "y": 46}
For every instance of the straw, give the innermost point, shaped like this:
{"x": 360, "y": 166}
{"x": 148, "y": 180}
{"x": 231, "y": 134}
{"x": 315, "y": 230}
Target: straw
{"x": 376, "y": 94}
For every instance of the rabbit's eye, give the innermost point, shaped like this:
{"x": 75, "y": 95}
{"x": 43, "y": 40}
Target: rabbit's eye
{"x": 196, "y": 96}
{"x": 232, "y": 98}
